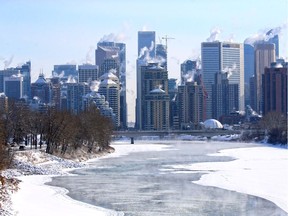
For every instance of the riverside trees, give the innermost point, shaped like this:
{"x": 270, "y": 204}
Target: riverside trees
{"x": 60, "y": 132}
{"x": 276, "y": 125}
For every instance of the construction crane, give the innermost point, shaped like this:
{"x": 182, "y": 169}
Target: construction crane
{"x": 166, "y": 38}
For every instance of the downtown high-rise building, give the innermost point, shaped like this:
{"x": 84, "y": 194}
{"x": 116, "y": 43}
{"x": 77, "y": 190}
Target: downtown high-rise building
{"x": 13, "y": 87}
{"x": 274, "y": 39}
{"x": 248, "y": 70}
{"x": 161, "y": 55}
{"x": 110, "y": 88}
{"x": 190, "y": 101}
{"x": 111, "y": 57}
{"x": 41, "y": 89}
{"x": 73, "y": 97}
{"x": 217, "y": 57}
{"x": 188, "y": 70}
{"x": 87, "y": 73}
{"x": 25, "y": 71}
{"x": 274, "y": 88}
{"x": 264, "y": 56}
{"x": 146, "y": 51}
{"x": 146, "y": 44}
{"x": 224, "y": 96}
{"x": 65, "y": 71}
{"x": 155, "y": 110}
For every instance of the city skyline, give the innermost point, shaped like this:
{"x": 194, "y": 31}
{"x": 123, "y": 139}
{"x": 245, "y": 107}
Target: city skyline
{"x": 51, "y": 33}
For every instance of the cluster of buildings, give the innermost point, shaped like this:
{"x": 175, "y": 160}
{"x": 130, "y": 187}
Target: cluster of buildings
{"x": 233, "y": 82}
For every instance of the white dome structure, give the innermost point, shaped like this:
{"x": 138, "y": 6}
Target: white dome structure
{"x": 212, "y": 124}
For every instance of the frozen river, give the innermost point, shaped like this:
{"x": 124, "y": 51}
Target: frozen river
{"x": 143, "y": 183}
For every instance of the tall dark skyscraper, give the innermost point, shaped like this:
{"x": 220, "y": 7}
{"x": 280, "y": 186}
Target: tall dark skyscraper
{"x": 275, "y": 89}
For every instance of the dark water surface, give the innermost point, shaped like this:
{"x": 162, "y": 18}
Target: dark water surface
{"x": 142, "y": 184}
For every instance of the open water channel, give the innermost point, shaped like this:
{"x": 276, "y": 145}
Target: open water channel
{"x": 141, "y": 184}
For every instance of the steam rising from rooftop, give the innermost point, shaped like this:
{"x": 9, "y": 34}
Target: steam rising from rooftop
{"x": 8, "y": 62}
{"x": 265, "y": 35}
{"x": 71, "y": 79}
{"x": 189, "y": 76}
{"x": 230, "y": 70}
{"x": 214, "y": 33}
{"x": 89, "y": 55}
{"x": 113, "y": 37}
{"x": 94, "y": 85}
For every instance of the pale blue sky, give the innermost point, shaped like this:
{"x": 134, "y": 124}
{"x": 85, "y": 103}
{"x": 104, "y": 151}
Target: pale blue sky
{"x": 66, "y": 31}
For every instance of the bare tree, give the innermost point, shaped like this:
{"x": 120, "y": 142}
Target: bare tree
{"x": 276, "y": 125}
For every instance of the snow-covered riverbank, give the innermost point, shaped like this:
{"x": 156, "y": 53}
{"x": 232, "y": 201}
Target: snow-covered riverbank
{"x": 260, "y": 171}
{"x": 35, "y": 168}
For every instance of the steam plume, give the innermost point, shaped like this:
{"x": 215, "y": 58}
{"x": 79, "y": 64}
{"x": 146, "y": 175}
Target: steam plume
{"x": 94, "y": 85}
{"x": 265, "y": 35}
{"x": 230, "y": 70}
{"x": 89, "y": 55}
{"x": 189, "y": 76}
{"x": 113, "y": 37}
{"x": 8, "y": 62}
{"x": 213, "y": 35}
{"x": 71, "y": 79}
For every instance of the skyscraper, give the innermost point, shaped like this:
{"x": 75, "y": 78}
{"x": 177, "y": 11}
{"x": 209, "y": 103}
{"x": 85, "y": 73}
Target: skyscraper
{"x": 161, "y": 55}
{"x": 146, "y": 51}
{"x": 146, "y": 44}
{"x": 110, "y": 88}
{"x": 41, "y": 89}
{"x": 264, "y": 56}
{"x": 188, "y": 70}
{"x": 222, "y": 56}
{"x": 154, "y": 112}
{"x": 25, "y": 71}
{"x": 87, "y": 73}
{"x": 248, "y": 70}
{"x": 75, "y": 92}
{"x": 65, "y": 70}
{"x": 224, "y": 96}
{"x": 190, "y": 101}
{"x": 13, "y": 87}
{"x": 275, "y": 89}
{"x": 112, "y": 56}
{"x": 274, "y": 39}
